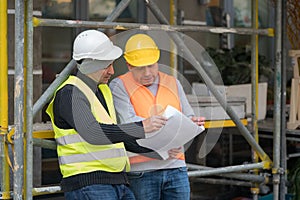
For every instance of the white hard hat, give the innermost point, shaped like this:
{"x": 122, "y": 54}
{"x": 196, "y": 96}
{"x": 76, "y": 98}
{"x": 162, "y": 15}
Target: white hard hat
{"x": 96, "y": 45}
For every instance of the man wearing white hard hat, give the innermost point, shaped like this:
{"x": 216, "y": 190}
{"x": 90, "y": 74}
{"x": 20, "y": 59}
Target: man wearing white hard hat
{"x": 90, "y": 145}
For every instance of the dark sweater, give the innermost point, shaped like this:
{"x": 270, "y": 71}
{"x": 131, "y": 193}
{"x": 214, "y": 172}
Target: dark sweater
{"x": 72, "y": 111}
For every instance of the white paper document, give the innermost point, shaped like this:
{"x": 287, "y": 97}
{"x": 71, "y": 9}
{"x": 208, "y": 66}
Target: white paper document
{"x": 178, "y": 130}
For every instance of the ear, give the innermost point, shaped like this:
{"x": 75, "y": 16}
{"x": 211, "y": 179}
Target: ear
{"x": 129, "y": 66}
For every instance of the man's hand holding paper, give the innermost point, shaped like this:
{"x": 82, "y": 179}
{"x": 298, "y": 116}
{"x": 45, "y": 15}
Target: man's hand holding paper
{"x": 178, "y": 130}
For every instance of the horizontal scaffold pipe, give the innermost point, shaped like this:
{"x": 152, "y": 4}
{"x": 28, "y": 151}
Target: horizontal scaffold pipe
{"x": 46, "y": 190}
{"x": 47, "y": 144}
{"x": 223, "y": 182}
{"x": 127, "y": 26}
{"x": 241, "y": 176}
{"x": 222, "y": 170}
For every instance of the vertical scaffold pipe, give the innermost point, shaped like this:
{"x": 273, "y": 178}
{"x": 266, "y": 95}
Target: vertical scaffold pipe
{"x": 254, "y": 90}
{"x": 277, "y": 100}
{"x": 19, "y": 101}
{"x": 4, "y": 169}
{"x": 29, "y": 100}
{"x": 283, "y": 153}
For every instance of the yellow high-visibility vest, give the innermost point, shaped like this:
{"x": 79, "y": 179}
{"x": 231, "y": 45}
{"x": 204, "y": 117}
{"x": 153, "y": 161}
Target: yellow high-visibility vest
{"x": 75, "y": 155}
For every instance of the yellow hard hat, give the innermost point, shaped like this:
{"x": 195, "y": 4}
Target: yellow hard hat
{"x": 141, "y": 50}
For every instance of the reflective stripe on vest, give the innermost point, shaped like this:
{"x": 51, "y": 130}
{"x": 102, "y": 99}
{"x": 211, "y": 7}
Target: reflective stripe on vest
{"x": 141, "y": 98}
{"x": 75, "y": 155}
{"x": 97, "y": 155}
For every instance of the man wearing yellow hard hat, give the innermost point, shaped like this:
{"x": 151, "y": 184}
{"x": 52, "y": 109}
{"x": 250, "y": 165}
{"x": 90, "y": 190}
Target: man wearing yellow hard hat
{"x": 140, "y": 93}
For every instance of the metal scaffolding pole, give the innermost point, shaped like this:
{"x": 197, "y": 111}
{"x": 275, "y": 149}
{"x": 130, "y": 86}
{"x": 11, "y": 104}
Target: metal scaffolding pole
{"x": 19, "y": 100}
{"x": 283, "y": 154}
{"x": 46, "y": 190}
{"x": 222, "y": 170}
{"x": 127, "y": 26}
{"x": 29, "y": 100}
{"x": 47, "y": 95}
{"x": 186, "y": 52}
{"x": 4, "y": 168}
{"x": 117, "y": 11}
{"x": 47, "y": 144}
{"x": 241, "y": 176}
{"x": 254, "y": 89}
{"x": 277, "y": 101}
{"x": 223, "y": 182}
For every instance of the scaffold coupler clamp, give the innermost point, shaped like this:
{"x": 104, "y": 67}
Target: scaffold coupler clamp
{"x": 6, "y": 195}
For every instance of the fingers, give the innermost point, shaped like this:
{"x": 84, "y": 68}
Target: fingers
{"x": 200, "y": 121}
{"x": 173, "y": 153}
{"x": 158, "y": 121}
{"x": 154, "y": 123}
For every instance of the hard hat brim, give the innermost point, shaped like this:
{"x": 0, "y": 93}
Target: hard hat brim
{"x": 114, "y": 53}
{"x": 140, "y": 58}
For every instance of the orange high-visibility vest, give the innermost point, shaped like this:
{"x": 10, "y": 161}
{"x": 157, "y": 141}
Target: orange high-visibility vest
{"x": 146, "y": 104}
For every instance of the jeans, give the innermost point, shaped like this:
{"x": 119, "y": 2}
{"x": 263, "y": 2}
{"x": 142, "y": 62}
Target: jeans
{"x": 101, "y": 191}
{"x": 166, "y": 184}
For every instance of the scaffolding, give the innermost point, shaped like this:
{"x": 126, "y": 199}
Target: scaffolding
{"x": 22, "y": 183}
